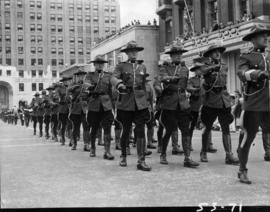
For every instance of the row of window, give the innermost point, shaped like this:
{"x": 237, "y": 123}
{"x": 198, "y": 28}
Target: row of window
{"x": 34, "y": 87}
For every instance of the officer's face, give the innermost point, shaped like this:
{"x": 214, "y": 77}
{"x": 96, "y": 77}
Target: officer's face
{"x": 216, "y": 54}
{"x": 99, "y": 66}
{"x": 176, "y": 57}
{"x": 260, "y": 40}
{"x": 132, "y": 55}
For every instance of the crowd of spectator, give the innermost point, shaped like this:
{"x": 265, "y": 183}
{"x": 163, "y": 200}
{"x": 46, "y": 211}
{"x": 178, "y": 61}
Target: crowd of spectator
{"x": 126, "y": 27}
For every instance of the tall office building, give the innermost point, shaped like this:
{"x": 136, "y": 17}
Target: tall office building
{"x": 40, "y": 37}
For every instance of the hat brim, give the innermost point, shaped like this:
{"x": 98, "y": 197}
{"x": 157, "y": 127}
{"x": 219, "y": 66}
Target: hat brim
{"x": 138, "y": 49}
{"x": 194, "y": 68}
{"x": 249, "y": 36}
{"x": 80, "y": 73}
{"x": 221, "y": 49}
{"x": 99, "y": 61}
{"x": 175, "y": 52}
{"x": 65, "y": 79}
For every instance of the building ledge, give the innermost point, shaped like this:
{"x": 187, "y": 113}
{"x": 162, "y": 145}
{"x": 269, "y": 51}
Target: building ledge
{"x": 162, "y": 10}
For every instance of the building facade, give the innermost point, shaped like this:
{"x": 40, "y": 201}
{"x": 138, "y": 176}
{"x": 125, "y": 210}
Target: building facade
{"x": 196, "y": 24}
{"x": 41, "y": 37}
{"x": 145, "y": 35}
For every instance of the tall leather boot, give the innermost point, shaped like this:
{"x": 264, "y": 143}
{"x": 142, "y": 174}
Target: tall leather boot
{"x": 266, "y": 145}
{"x": 211, "y": 148}
{"x": 107, "y": 146}
{"x": 159, "y": 137}
{"x": 230, "y": 159}
{"x": 117, "y": 139}
{"x": 74, "y": 146}
{"x": 86, "y": 140}
{"x": 243, "y": 177}
{"x": 164, "y": 144}
{"x": 150, "y": 133}
{"x": 35, "y": 132}
{"x": 188, "y": 162}
{"x": 203, "y": 154}
{"x": 62, "y": 140}
{"x": 141, "y": 143}
{"x": 176, "y": 149}
{"x": 241, "y": 137}
{"x": 93, "y": 147}
{"x": 99, "y": 136}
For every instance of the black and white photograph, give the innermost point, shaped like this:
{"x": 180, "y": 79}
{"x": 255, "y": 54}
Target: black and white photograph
{"x": 135, "y": 104}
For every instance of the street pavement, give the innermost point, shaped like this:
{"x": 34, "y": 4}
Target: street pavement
{"x": 39, "y": 173}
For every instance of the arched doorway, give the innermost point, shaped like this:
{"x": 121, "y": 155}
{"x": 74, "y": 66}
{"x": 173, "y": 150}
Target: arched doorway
{"x": 6, "y": 95}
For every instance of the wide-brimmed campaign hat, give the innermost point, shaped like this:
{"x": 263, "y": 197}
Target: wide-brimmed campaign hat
{"x": 256, "y": 30}
{"x": 64, "y": 79}
{"x": 36, "y": 94}
{"x": 80, "y": 72}
{"x": 196, "y": 66}
{"x": 132, "y": 46}
{"x": 213, "y": 48}
{"x": 99, "y": 59}
{"x": 176, "y": 49}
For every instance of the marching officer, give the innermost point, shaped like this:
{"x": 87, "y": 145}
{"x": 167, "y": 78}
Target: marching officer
{"x": 175, "y": 108}
{"x": 132, "y": 105}
{"x": 100, "y": 105}
{"x": 47, "y": 112}
{"x": 34, "y": 106}
{"x": 62, "y": 93}
{"x": 216, "y": 102}
{"x": 254, "y": 72}
{"x": 75, "y": 110}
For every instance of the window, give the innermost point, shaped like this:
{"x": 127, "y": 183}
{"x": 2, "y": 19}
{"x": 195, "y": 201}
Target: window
{"x": 40, "y": 73}
{"x": 87, "y": 7}
{"x": 53, "y": 28}
{"x": 7, "y": 4}
{"x": 95, "y": 19}
{"x": 71, "y": 17}
{"x": 88, "y": 51}
{"x": 72, "y": 61}
{"x": 54, "y": 62}
{"x": 80, "y": 40}
{"x": 33, "y": 50}
{"x": 33, "y": 62}
{"x": 33, "y": 38}
{"x": 20, "y": 62}
{"x": 71, "y": 6}
{"x": 60, "y": 28}
{"x": 39, "y": 39}
{"x": 0, "y": 72}
{"x": 8, "y": 50}
{"x": 113, "y": 30}
{"x": 79, "y": 6}
{"x": 40, "y": 86}
{"x": 60, "y": 51}
{"x": 21, "y": 87}
{"x": 39, "y": 27}
{"x": 113, "y": 8}
{"x": 8, "y": 72}
{"x": 59, "y": 6}
{"x": 32, "y": 16}
{"x": 39, "y": 16}
{"x": 19, "y": 14}
{"x": 40, "y": 50}
{"x": 8, "y": 61}
{"x": 7, "y": 26}
{"x": 40, "y": 61}
{"x": 34, "y": 87}
{"x": 81, "y": 60}
{"x": 52, "y": 17}
{"x": 107, "y": 19}
{"x": 8, "y": 38}
{"x": 61, "y": 62}
{"x": 72, "y": 51}
{"x": 7, "y": 14}
{"x": 54, "y": 73}
{"x": 107, "y": 30}
{"x": 32, "y": 4}
{"x": 80, "y": 51}
{"x": 32, "y": 27}
{"x": 19, "y": 3}
{"x": 21, "y": 73}
{"x": 59, "y": 17}
{"x": 20, "y": 27}
{"x": 71, "y": 28}
{"x": 60, "y": 40}
{"x": 106, "y": 8}
{"x": 80, "y": 29}
{"x": 53, "y": 39}
{"x": 20, "y": 38}
{"x": 95, "y": 7}
{"x": 52, "y": 5}
{"x": 113, "y": 19}
{"x": 34, "y": 73}
{"x": 39, "y": 4}
{"x": 72, "y": 40}
{"x": 79, "y": 18}
{"x": 53, "y": 51}
{"x": 20, "y": 50}
{"x": 87, "y": 18}
{"x": 95, "y": 29}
